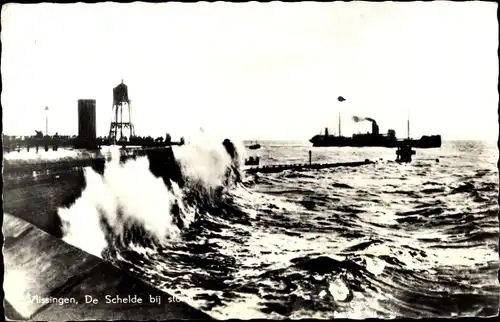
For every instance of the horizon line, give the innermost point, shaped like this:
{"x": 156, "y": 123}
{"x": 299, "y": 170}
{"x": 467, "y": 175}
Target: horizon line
{"x": 496, "y": 139}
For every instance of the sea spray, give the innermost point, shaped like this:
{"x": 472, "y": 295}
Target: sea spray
{"x": 80, "y": 222}
{"x": 201, "y": 161}
{"x": 126, "y": 195}
{"x": 208, "y": 161}
{"x": 129, "y": 201}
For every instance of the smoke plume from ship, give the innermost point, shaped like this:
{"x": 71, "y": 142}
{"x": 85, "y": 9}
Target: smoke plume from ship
{"x": 361, "y": 119}
{"x": 375, "y": 129}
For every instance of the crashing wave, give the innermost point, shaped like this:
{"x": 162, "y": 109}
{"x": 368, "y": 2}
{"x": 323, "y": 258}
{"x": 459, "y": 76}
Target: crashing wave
{"x": 151, "y": 196}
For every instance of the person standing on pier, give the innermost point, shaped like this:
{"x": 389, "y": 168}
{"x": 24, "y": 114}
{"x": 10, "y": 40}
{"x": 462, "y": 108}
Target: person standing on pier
{"x": 310, "y": 157}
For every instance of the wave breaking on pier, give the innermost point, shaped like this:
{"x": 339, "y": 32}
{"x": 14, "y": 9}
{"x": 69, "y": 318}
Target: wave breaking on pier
{"x": 150, "y": 197}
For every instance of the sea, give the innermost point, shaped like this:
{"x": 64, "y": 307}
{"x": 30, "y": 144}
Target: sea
{"x": 382, "y": 240}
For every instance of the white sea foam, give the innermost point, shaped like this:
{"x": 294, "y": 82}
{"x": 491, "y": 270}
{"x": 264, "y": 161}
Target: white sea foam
{"x": 129, "y": 193}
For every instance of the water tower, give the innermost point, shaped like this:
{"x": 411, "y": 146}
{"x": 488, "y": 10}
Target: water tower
{"x": 117, "y": 127}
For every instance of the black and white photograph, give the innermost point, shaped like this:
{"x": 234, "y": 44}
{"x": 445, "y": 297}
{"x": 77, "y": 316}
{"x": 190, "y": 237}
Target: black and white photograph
{"x": 219, "y": 160}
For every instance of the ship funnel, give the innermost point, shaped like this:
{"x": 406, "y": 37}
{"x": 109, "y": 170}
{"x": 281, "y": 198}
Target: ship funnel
{"x": 375, "y": 129}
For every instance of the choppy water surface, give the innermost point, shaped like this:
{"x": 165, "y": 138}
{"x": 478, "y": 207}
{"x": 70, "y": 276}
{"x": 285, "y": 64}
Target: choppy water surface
{"x": 381, "y": 240}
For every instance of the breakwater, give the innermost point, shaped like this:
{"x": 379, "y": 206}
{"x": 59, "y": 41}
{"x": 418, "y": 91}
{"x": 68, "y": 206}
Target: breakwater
{"x": 303, "y": 166}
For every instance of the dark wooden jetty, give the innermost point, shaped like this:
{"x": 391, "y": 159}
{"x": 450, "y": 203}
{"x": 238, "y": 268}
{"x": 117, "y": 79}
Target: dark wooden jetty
{"x": 282, "y": 167}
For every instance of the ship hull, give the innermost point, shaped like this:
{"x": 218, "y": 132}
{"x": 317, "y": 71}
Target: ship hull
{"x": 426, "y": 142}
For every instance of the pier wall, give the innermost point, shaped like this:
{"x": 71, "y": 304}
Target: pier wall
{"x": 39, "y": 267}
{"x": 35, "y": 198}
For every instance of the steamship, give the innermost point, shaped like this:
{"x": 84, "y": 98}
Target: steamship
{"x": 374, "y": 139}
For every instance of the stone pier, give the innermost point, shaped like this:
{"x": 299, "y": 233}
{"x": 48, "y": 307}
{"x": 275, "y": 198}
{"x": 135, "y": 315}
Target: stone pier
{"x": 47, "y": 279}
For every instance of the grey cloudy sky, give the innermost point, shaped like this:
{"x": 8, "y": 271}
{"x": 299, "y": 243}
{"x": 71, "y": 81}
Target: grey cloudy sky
{"x": 255, "y": 70}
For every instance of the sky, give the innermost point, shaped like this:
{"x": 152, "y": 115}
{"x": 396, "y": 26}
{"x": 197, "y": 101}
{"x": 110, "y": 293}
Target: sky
{"x": 255, "y": 70}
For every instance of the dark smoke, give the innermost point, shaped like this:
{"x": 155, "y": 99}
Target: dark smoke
{"x": 361, "y": 119}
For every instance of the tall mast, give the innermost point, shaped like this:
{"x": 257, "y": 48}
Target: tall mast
{"x": 340, "y": 128}
{"x": 408, "y": 125}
